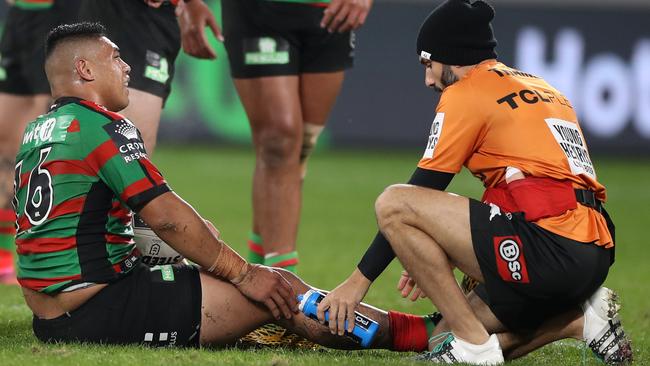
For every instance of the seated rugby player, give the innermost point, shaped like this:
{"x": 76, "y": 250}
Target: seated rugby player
{"x": 81, "y": 172}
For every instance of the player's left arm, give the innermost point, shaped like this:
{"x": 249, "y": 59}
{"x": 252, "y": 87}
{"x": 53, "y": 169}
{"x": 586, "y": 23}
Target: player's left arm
{"x": 193, "y": 17}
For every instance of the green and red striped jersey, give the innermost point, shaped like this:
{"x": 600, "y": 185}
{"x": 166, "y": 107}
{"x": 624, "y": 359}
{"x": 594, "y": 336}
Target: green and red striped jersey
{"x": 80, "y": 172}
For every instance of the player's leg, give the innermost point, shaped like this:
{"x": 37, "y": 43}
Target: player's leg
{"x": 430, "y": 259}
{"x": 273, "y": 108}
{"x": 318, "y": 92}
{"x": 144, "y": 111}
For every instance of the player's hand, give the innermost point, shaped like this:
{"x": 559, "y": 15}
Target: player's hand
{"x": 407, "y": 286}
{"x": 342, "y": 302}
{"x": 266, "y": 285}
{"x": 193, "y": 17}
{"x": 154, "y": 3}
{"x": 344, "y": 15}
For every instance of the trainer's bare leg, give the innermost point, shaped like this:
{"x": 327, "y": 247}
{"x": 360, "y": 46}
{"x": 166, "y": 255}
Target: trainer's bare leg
{"x": 430, "y": 233}
{"x": 144, "y": 111}
{"x": 226, "y": 315}
{"x": 318, "y": 92}
{"x": 273, "y": 108}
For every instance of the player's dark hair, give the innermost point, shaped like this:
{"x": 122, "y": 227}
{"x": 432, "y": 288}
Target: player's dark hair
{"x": 66, "y": 32}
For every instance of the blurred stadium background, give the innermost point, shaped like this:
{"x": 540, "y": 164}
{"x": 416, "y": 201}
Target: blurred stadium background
{"x": 595, "y": 51}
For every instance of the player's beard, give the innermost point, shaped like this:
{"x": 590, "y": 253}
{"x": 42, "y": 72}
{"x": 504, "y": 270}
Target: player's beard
{"x": 446, "y": 79}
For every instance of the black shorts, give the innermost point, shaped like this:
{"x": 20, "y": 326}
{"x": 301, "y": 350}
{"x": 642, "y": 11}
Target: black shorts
{"x": 271, "y": 38}
{"x": 530, "y": 273}
{"x": 149, "y": 39}
{"x": 22, "y": 47}
{"x": 159, "y": 307}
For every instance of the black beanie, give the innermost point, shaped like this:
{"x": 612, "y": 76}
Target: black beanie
{"x": 458, "y": 32}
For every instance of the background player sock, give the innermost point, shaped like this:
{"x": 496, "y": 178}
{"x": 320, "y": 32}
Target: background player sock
{"x": 7, "y": 239}
{"x": 410, "y": 332}
{"x": 287, "y": 261}
{"x": 255, "y": 249}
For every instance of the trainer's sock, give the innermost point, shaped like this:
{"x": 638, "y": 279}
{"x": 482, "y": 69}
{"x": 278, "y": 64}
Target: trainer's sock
{"x": 410, "y": 332}
{"x": 288, "y": 261}
{"x": 7, "y": 239}
{"x": 255, "y": 249}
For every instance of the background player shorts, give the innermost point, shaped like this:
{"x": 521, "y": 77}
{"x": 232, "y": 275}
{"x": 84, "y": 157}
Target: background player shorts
{"x": 149, "y": 39}
{"x": 270, "y": 38}
{"x": 158, "y": 306}
{"x": 22, "y": 48}
{"x": 530, "y": 273}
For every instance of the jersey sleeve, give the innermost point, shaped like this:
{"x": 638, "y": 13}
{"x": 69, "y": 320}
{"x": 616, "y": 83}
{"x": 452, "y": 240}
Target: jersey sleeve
{"x": 455, "y": 132}
{"x": 116, "y": 153}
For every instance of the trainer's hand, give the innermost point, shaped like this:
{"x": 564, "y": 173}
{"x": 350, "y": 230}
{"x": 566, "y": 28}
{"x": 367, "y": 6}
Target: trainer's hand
{"x": 193, "y": 17}
{"x": 264, "y": 284}
{"x": 407, "y": 286}
{"x": 342, "y": 303}
{"x": 344, "y": 15}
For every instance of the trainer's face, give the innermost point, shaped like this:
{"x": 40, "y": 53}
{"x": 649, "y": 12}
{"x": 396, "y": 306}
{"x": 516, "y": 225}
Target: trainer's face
{"x": 113, "y": 76}
{"x": 432, "y": 74}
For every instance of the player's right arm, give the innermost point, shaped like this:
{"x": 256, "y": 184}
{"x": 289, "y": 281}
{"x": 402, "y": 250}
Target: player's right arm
{"x": 179, "y": 225}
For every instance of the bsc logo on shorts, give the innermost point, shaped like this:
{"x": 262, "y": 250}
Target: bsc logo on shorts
{"x": 511, "y": 263}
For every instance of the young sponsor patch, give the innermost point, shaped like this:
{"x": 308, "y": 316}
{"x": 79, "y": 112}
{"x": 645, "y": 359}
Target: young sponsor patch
{"x": 511, "y": 263}
{"x": 434, "y": 135}
{"x": 266, "y": 51}
{"x": 127, "y": 139}
{"x": 570, "y": 139}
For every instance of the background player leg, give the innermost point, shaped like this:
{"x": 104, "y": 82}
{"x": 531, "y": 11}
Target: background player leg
{"x": 144, "y": 110}
{"x": 17, "y": 110}
{"x": 430, "y": 232}
{"x": 318, "y": 92}
{"x": 226, "y": 315}
{"x": 273, "y": 108}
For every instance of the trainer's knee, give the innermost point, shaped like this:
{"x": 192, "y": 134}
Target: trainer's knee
{"x": 391, "y": 207}
{"x": 278, "y": 143}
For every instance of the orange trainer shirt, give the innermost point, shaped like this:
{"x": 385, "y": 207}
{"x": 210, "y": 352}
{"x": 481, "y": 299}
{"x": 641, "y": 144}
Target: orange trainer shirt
{"x": 496, "y": 117}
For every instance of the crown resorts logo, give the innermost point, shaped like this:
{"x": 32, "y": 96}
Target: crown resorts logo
{"x": 127, "y": 130}
{"x": 127, "y": 139}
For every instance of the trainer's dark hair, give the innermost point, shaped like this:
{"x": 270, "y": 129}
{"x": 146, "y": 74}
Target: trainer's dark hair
{"x": 66, "y": 32}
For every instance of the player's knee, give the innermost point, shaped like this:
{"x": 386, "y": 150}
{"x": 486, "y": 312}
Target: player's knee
{"x": 310, "y": 135}
{"x": 390, "y": 207}
{"x": 279, "y": 146}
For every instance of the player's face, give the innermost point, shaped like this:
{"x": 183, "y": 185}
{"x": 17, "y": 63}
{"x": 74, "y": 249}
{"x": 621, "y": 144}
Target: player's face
{"x": 114, "y": 76}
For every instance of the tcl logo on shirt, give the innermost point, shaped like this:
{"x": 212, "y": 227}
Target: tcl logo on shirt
{"x": 434, "y": 135}
{"x": 511, "y": 263}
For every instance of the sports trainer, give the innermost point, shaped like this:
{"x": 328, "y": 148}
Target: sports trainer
{"x": 540, "y": 243}
{"x": 24, "y": 94}
{"x": 150, "y": 34}
{"x": 81, "y": 170}
{"x": 287, "y": 59}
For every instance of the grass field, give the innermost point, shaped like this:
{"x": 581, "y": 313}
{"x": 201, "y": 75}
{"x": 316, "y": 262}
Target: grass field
{"x": 338, "y": 223}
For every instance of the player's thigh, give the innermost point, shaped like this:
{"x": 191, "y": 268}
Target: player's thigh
{"x": 441, "y": 215}
{"x": 144, "y": 111}
{"x": 318, "y": 92}
{"x": 17, "y": 111}
{"x": 226, "y": 314}
{"x": 271, "y": 102}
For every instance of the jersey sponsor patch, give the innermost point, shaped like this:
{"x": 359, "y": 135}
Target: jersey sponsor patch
{"x": 47, "y": 130}
{"x": 511, "y": 263}
{"x": 266, "y": 51}
{"x": 127, "y": 139}
{"x": 434, "y": 135}
{"x": 572, "y": 143}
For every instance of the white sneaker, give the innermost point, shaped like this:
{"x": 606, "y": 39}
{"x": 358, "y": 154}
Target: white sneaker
{"x": 456, "y": 350}
{"x": 603, "y": 331}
